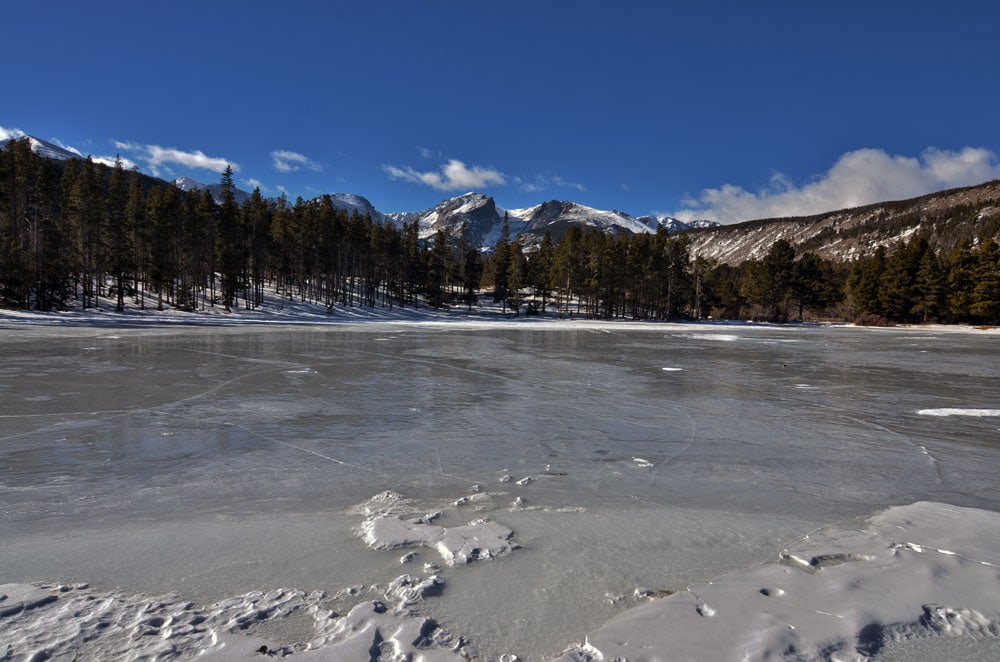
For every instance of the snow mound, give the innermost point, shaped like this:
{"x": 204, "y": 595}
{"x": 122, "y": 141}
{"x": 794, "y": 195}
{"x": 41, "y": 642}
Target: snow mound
{"x": 390, "y": 524}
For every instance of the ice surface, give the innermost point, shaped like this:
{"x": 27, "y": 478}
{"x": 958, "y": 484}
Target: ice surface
{"x": 203, "y": 463}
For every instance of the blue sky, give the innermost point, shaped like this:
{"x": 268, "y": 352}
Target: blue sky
{"x": 724, "y": 110}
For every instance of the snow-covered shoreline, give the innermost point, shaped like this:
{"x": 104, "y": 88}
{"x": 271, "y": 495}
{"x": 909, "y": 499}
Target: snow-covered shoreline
{"x": 293, "y": 313}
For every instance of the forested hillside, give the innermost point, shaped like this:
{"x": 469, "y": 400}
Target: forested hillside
{"x": 76, "y": 233}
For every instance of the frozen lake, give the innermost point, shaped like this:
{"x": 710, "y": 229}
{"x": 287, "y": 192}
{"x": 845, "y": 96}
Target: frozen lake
{"x": 207, "y": 463}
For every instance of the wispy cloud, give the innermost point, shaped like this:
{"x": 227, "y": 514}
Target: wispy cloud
{"x": 425, "y": 153}
{"x": 255, "y": 183}
{"x": 156, "y": 157}
{"x": 861, "y": 177}
{"x": 562, "y": 183}
{"x": 452, "y": 176}
{"x": 535, "y": 185}
{"x": 11, "y": 134}
{"x": 287, "y": 161}
{"x": 542, "y": 183}
{"x": 70, "y": 148}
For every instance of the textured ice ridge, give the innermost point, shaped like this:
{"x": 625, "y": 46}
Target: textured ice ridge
{"x": 74, "y": 622}
{"x": 389, "y": 525}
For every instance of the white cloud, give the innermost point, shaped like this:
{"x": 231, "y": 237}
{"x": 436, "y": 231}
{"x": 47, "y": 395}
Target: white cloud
{"x": 861, "y": 177}
{"x": 11, "y": 134}
{"x": 286, "y": 161}
{"x": 156, "y": 157}
{"x": 255, "y": 183}
{"x": 127, "y": 164}
{"x": 425, "y": 153}
{"x": 196, "y": 159}
{"x": 454, "y": 175}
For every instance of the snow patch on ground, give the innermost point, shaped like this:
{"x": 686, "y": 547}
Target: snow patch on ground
{"x": 948, "y": 411}
{"x": 74, "y": 622}
{"x": 839, "y": 595}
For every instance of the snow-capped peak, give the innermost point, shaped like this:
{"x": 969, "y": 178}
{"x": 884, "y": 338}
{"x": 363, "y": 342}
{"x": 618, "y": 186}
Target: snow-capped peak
{"x": 188, "y": 184}
{"x": 45, "y": 148}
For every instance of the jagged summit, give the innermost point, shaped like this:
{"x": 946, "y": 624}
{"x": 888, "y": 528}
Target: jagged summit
{"x": 480, "y": 219}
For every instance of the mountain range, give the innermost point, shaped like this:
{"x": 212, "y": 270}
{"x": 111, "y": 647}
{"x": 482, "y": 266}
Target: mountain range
{"x": 481, "y": 220}
{"x": 841, "y": 235}
{"x": 475, "y": 214}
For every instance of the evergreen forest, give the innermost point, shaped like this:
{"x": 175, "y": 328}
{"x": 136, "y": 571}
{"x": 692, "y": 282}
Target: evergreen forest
{"x": 82, "y": 234}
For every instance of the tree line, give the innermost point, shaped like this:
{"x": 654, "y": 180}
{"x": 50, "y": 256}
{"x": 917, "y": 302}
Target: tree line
{"x": 79, "y": 231}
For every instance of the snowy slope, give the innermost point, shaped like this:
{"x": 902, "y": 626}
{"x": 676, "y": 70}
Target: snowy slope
{"x": 353, "y": 203}
{"x": 556, "y": 216}
{"x": 48, "y": 150}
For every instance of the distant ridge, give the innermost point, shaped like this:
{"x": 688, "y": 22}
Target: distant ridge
{"x": 847, "y": 234}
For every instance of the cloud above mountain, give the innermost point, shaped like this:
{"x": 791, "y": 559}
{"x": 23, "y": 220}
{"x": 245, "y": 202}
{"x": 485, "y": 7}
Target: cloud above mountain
{"x": 288, "y": 161}
{"x": 860, "y": 177}
{"x": 452, "y": 176}
{"x": 156, "y": 157}
{"x": 11, "y": 133}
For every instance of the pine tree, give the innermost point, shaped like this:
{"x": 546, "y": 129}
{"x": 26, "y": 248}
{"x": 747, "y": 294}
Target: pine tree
{"x": 986, "y": 292}
{"x": 229, "y": 241}
{"x": 135, "y": 214}
{"x": 896, "y": 293}
{"x": 517, "y": 267}
{"x": 960, "y": 281}
{"x": 928, "y": 288}
{"x": 540, "y": 269}
{"x": 501, "y": 263}
{"x": 436, "y": 270}
{"x": 770, "y": 280}
{"x": 471, "y": 271}
{"x": 567, "y": 268}
{"x": 165, "y": 231}
{"x": 119, "y": 234}
{"x": 863, "y": 284}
